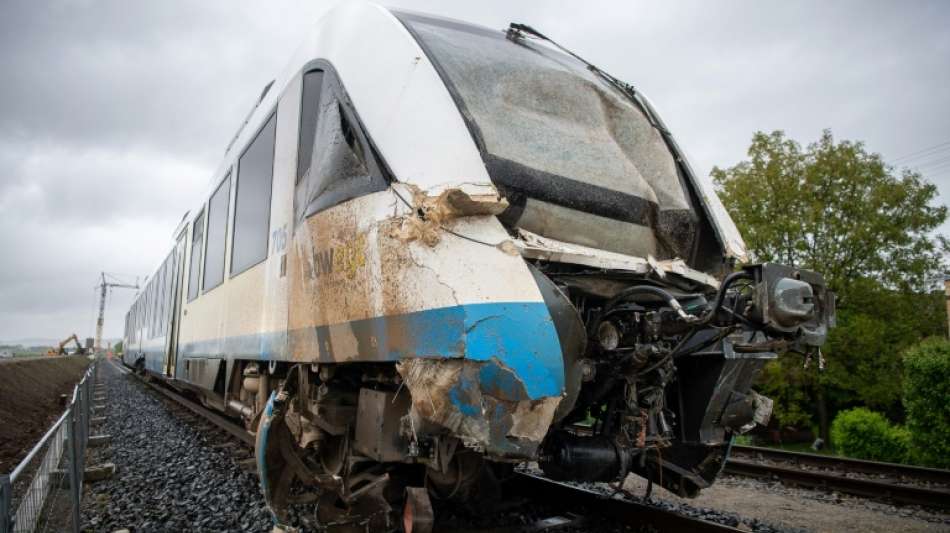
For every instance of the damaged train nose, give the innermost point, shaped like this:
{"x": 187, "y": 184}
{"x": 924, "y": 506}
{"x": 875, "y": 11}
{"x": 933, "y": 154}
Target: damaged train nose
{"x": 667, "y": 372}
{"x": 501, "y": 395}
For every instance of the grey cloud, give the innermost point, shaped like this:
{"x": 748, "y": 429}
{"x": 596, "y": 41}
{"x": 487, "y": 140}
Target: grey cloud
{"x": 113, "y": 114}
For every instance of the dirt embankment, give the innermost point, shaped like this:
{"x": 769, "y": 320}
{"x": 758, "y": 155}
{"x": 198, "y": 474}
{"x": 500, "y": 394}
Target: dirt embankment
{"x": 29, "y": 401}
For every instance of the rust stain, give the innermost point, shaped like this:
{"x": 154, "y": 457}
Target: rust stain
{"x": 370, "y": 258}
{"x": 328, "y": 275}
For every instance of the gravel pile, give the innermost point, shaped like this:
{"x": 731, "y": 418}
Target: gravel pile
{"x": 169, "y": 477}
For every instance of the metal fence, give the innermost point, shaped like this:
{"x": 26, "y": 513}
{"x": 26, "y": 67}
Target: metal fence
{"x": 43, "y": 492}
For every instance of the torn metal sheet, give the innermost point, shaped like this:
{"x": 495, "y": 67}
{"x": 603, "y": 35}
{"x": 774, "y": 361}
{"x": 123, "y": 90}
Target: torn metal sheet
{"x": 430, "y": 213}
{"x": 533, "y": 246}
{"x": 484, "y": 403}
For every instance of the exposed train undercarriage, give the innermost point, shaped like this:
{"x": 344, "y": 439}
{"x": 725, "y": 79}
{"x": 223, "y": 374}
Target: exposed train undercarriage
{"x": 658, "y": 381}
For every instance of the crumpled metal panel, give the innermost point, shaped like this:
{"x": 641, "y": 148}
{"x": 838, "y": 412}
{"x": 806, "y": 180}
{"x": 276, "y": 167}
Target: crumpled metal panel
{"x": 391, "y": 277}
{"x": 486, "y": 404}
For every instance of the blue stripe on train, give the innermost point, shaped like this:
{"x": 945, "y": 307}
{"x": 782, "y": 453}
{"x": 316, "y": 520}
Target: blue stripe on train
{"x": 520, "y": 335}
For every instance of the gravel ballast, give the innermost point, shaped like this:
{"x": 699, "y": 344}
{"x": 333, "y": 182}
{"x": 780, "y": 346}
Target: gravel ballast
{"x": 174, "y": 476}
{"x": 169, "y": 476}
{"x": 811, "y": 510}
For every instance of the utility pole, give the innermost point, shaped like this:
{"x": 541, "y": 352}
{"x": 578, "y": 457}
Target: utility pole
{"x": 104, "y": 287}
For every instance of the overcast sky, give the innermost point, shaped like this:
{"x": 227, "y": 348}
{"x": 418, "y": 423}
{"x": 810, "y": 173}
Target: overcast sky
{"x": 113, "y": 115}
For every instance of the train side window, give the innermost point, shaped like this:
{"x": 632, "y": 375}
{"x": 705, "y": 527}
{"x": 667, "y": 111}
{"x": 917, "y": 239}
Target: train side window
{"x": 153, "y": 321}
{"x": 252, "y": 200}
{"x": 150, "y": 310}
{"x": 159, "y": 300}
{"x": 197, "y": 243}
{"x": 217, "y": 233}
{"x": 163, "y": 298}
{"x": 163, "y": 309}
{"x": 310, "y": 100}
{"x": 343, "y": 166}
{"x": 166, "y": 292}
{"x": 146, "y": 321}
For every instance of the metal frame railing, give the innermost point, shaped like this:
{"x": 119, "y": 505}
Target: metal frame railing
{"x": 70, "y": 434}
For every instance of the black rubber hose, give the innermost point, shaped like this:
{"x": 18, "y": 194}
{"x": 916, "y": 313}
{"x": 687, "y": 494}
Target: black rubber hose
{"x": 648, "y": 289}
{"x": 723, "y": 287}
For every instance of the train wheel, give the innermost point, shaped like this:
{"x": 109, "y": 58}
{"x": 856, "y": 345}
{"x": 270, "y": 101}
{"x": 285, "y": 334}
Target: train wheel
{"x": 279, "y": 462}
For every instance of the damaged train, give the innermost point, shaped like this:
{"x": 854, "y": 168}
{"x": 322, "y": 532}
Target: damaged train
{"x": 435, "y": 250}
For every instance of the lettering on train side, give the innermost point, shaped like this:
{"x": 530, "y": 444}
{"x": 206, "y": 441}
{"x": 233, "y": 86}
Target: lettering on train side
{"x": 322, "y": 262}
{"x": 279, "y": 238}
{"x": 345, "y": 259}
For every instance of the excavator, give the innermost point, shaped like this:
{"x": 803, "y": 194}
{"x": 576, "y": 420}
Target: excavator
{"x": 62, "y": 346}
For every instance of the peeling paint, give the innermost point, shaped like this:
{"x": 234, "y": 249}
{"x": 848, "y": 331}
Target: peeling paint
{"x": 484, "y": 403}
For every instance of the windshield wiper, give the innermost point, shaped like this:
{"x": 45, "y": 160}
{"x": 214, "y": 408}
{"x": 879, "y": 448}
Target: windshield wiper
{"x": 518, "y": 31}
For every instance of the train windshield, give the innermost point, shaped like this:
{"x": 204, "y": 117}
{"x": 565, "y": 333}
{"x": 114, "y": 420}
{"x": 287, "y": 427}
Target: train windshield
{"x": 576, "y": 158}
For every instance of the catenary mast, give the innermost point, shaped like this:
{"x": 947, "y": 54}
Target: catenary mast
{"x": 104, "y": 286}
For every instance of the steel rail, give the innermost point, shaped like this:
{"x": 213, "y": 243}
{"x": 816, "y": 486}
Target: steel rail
{"x": 221, "y": 422}
{"x": 877, "y": 490}
{"x": 868, "y": 488}
{"x": 917, "y": 473}
{"x": 624, "y": 511}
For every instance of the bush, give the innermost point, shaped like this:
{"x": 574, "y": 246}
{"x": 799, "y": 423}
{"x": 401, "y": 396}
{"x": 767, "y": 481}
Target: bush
{"x": 927, "y": 401}
{"x": 864, "y": 434}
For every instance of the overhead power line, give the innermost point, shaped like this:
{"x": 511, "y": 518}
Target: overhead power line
{"x": 937, "y": 170}
{"x": 935, "y": 162}
{"x": 926, "y": 159}
{"x": 914, "y": 155}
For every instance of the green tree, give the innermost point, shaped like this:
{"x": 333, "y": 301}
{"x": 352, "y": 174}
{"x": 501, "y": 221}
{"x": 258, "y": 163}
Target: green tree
{"x": 117, "y": 348}
{"x": 868, "y": 227}
{"x": 926, "y": 390}
{"x": 865, "y": 434}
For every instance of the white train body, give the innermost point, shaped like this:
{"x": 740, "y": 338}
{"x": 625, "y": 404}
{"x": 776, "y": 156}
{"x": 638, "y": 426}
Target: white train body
{"x": 389, "y": 205}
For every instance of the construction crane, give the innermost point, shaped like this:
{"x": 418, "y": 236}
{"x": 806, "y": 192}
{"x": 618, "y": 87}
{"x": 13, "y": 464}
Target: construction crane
{"x": 104, "y": 286}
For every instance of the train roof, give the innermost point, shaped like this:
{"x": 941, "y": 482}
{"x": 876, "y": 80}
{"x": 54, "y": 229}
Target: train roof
{"x": 405, "y": 106}
{"x": 410, "y": 114}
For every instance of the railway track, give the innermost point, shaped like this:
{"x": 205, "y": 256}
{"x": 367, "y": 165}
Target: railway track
{"x": 624, "y": 511}
{"x": 897, "y": 483}
{"x": 569, "y": 498}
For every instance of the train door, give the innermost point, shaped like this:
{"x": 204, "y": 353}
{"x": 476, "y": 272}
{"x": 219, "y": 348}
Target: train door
{"x": 178, "y": 275}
